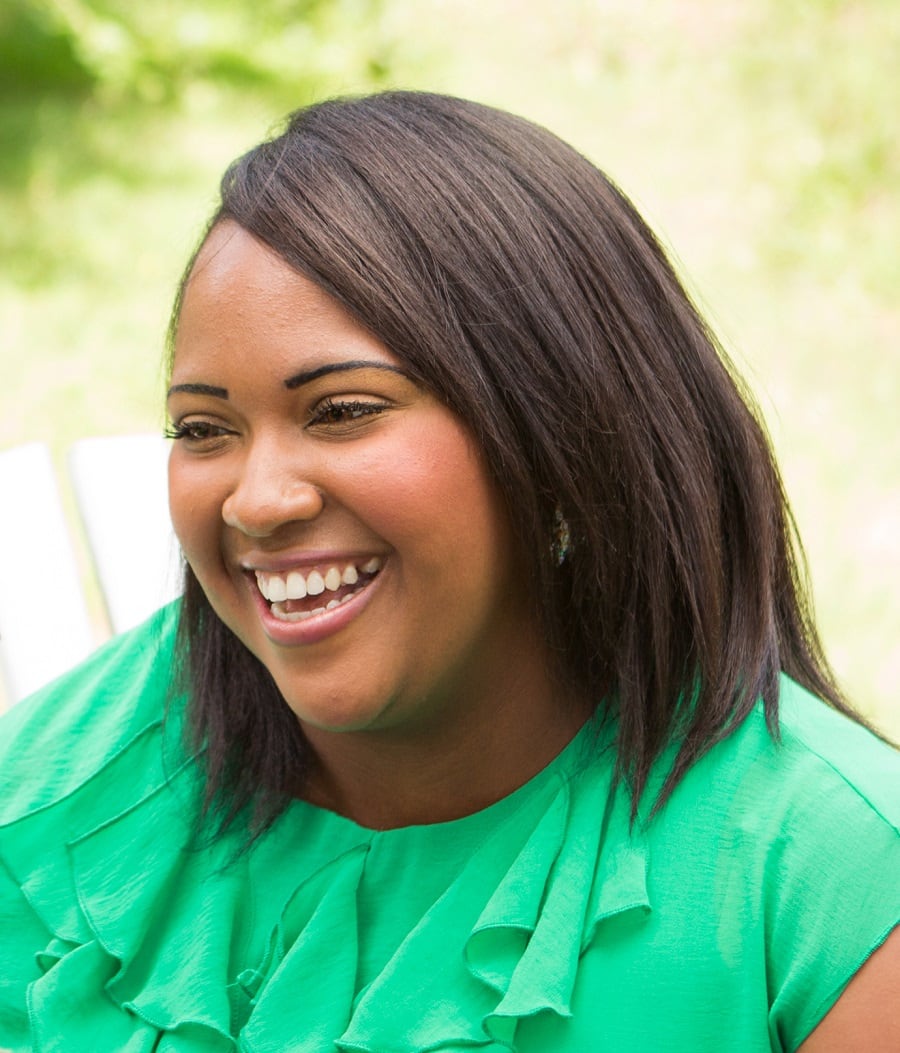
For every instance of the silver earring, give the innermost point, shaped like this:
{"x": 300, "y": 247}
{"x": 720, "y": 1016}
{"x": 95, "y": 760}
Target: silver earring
{"x": 562, "y": 538}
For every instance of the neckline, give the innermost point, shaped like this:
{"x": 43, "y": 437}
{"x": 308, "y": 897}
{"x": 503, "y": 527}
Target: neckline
{"x": 570, "y": 759}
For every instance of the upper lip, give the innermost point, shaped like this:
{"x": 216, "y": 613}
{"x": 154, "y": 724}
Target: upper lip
{"x": 306, "y": 560}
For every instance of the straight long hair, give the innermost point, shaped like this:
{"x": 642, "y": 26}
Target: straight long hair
{"x": 520, "y": 286}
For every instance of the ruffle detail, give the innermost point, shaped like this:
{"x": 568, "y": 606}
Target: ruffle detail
{"x": 142, "y": 940}
{"x": 94, "y": 835}
{"x": 139, "y": 956}
{"x": 580, "y": 866}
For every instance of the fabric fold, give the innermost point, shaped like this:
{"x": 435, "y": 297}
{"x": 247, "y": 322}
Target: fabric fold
{"x": 142, "y": 939}
{"x": 318, "y": 925}
{"x": 102, "y": 893}
{"x": 517, "y": 950}
{"x": 112, "y": 976}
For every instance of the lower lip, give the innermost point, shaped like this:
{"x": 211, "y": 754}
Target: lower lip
{"x": 318, "y": 627}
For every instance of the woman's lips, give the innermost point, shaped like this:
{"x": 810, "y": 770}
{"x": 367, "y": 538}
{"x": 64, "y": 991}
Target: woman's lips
{"x": 317, "y": 602}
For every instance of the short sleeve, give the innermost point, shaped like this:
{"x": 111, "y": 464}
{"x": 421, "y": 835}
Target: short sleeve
{"x": 832, "y": 889}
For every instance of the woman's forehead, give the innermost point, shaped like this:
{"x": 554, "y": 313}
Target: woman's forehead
{"x": 244, "y": 305}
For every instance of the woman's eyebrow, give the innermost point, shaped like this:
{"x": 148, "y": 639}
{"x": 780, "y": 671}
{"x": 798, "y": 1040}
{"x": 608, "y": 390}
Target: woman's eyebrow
{"x": 299, "y": 379}
{"x": 198, "y": 389}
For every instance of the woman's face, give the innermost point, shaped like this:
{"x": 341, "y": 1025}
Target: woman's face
{"x": 338, "y": 517}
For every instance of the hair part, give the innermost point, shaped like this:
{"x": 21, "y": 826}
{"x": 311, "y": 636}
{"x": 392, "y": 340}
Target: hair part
{"x": 518, "y": 284}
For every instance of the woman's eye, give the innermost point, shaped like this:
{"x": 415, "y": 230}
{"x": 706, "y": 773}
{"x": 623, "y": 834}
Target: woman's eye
{"x": 333, "y": 411}
{"x": 196, "y": 431}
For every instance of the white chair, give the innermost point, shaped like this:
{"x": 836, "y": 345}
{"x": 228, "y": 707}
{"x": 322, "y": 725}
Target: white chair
{"x": 122, "y": 495}
{"x": 119, "y": 486}
{"x": 44, "y": 623}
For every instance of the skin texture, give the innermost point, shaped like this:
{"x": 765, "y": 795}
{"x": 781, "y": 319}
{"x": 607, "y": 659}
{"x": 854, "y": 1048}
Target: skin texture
{"x": 436, "y": 697}
{"x": 866, "y": 1018}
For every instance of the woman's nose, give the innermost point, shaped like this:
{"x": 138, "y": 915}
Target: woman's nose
{"x": 271, "y": 492}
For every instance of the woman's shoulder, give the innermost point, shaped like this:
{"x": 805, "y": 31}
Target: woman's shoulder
{"x": 97, "y": 801}
{"x": 818, "y": 764}
{"x": 846, "y": 756}
{"x": 805, "y": 821}
{"x": 61, "y": 736}
{"x": 782, "y": 852}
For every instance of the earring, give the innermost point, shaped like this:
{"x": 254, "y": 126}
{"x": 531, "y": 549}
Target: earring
{"x": 562, "y": 538}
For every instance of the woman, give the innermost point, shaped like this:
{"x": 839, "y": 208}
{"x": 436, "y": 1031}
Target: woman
{"x": 495, "y": 721}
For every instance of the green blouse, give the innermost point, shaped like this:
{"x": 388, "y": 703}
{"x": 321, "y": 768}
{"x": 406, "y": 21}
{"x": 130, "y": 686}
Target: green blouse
{"x": 546, "y": 923}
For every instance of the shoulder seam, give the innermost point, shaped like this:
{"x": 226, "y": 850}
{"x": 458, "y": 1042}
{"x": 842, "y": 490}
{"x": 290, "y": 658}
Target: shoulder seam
{"x": 790, "y": 732}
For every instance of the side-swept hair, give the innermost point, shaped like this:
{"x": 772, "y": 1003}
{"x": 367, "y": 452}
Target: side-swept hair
{"x": 518, "y": 284}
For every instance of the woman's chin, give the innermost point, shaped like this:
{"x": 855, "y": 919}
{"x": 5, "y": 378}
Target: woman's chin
{"x": 336, "y": 717}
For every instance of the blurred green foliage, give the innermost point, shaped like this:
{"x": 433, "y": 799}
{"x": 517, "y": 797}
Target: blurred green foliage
{"x": 827, "y": 75}
{"x": 39, "y": 51}
{"x": 152, "y": 52}
{"x": 90, "y": 89}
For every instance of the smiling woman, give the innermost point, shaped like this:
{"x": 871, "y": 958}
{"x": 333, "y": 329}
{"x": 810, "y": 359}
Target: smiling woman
{"x": 307, "y": 455}
{"x": 492, "y": 715}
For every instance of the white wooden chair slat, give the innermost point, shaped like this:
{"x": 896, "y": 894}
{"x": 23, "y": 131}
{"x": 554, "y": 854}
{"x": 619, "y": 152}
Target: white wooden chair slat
{"x": 121, "y": 492}
{"x": 45, "y": 627}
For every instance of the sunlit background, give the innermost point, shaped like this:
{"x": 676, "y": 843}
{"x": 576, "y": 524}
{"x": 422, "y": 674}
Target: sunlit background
{"x": 761, "y": 138}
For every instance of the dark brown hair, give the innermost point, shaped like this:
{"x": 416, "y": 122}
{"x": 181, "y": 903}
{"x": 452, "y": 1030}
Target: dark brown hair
{"x": 518, "y": 284}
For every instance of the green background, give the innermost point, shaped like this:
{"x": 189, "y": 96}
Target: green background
{"x": 759, "y": 137}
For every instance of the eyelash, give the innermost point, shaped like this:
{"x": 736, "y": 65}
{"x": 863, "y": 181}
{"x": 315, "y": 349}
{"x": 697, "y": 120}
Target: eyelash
{"x": 335, "y": 411}
{"x": 328, "y": 412}
{"x": 195, "y": 431}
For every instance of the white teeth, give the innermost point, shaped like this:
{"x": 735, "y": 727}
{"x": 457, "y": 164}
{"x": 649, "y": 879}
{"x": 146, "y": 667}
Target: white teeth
{"x": 350, "y": 576}
{"x": 299, "y": 616}
{"x": 296, "y": 585}
{"x": 315, "y": 583}
{"x": 277, "y": 588}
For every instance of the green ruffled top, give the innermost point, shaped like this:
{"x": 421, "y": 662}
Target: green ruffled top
{"x": 525, "y": 926}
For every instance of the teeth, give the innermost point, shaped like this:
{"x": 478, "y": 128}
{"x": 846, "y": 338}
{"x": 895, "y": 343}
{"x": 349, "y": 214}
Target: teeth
{"x": 315, "y": 583}
{"x": 277, "y": 589}
{"x": 295, "y": 586}
{"x": 300, "y": 616}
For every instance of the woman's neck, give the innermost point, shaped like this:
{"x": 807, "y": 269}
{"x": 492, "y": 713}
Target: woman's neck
{"x": 383, "y": 779}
